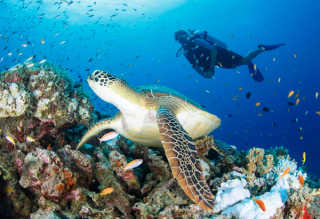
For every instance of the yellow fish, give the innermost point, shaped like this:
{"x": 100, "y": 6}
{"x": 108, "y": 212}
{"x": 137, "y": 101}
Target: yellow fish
{"x": 290, "y": 93}
{"x": 279, "y": 79}
{"x": 133, "y": 164}
{"x": 297, "y": 101}
{"x": 317, "y": 95}
{"x": 106, "y": 191}
{"x": 318, "y": 112}
{"x": 28, "y": 138}
{"x": 274, "y": 59}
{"x": 304, "y": 157}
{"x": 11, "y": 140}
{"x": 258, "y": 104}
{"x": 255, "y": 67}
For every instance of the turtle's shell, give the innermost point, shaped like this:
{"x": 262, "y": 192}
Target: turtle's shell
{"x": 157, "y": 91}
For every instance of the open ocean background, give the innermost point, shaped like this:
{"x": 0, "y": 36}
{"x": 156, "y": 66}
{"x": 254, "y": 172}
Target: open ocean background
{"x": 138, "y": 43}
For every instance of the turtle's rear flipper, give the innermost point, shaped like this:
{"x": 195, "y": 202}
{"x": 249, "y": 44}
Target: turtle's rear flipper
{"x": 109, "y": 123}
{"x": 184, "y": 160}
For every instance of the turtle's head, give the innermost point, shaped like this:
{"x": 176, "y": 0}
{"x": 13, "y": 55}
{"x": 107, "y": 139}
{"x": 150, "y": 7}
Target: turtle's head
{"x": 106, "y": 85}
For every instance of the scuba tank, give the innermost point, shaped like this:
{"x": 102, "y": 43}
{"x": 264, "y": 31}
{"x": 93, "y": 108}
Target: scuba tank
{"x": 210, "y": 39}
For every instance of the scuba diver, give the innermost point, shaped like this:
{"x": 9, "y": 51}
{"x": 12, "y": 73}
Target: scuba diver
{"x": 204, "y": 52}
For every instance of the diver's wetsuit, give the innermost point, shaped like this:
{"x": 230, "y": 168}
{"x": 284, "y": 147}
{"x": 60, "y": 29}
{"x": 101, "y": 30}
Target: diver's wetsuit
{"x": 199, "y": 50}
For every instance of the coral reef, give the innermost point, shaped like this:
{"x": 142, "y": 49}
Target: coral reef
{"x": 40, "y": 102}
{"x": 48, "y": 178}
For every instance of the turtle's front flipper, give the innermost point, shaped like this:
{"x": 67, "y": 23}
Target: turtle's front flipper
{"x": 109, "y": 123}
{"x": 184, "y": 160}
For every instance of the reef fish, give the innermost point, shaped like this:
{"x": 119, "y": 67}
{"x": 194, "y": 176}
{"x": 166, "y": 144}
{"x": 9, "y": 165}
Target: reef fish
{"x": 290, "y": 93}
{"x": 10, "y": 140}
{"x": 106, "y": 191}
{"x": 304, "y": 157}
{"x": 133, "y": 164}
{"x": 28, "y": 138}
{"x": 42, "y": 61}
{"x": 317, "y": 95}
{"x": 260, "y": 203}
{"x": 108, "y": 136}
{"x": 258, "y": 104}
{"x": 301, "y": 180}
{"x": 248, "y": 95}
{"x": 285, "y": 172}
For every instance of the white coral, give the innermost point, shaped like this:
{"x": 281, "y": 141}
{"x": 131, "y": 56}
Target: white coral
{"x": 13, "y": 100}
{"x": 42, "y": 107}
{"x": 230, "y": 193}
{"x": 284, "y": 164}
{"x": 84, "y": 113}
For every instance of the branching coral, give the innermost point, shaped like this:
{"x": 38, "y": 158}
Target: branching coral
{"x": 257, "y": 163}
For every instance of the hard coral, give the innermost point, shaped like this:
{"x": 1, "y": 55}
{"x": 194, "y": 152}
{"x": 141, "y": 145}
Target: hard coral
{"x": 257, "y": 163}
{"x": 45, "y": 175}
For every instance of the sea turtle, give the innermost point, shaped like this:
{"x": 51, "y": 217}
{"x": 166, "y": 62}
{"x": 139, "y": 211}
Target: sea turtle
{"x": 157, "y": 116}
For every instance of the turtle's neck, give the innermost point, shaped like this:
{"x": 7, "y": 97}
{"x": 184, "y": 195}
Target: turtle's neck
{"x": 126, "y": 99}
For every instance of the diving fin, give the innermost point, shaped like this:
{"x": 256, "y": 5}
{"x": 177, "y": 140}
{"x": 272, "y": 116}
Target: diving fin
{"x": 269, "y": 47}
{"x": 255, "y": 74}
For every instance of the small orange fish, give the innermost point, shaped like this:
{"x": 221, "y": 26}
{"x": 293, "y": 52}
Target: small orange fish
{"x": 297, "y": 95}
{"x": 108, "y": 136}
{"x": 234, "y": 98}
{"x": 42, "y": 41}
{"x": 62, "y": 143}
{"x": 231, "y": 35}
{"x": 258, "y": 104}
{"x": 301, "y": 180}
{"x": 106, "y": 191}
{"x": 259, "y": 114}
{"x": 301, "y": 137}
{"x": 255, "y": 67}
{"x": 318, "y": 112}
{"x": 297, "y": 101}
{"x": 290, "y": 93}
{"x": 260, "y": 203}
{"x": 133, "y": 164}
{"x": 285, "y": 172}
{"x": 295, "y": 55}
{"x": 240, "y": 88}
{"x": 317, "y": 95}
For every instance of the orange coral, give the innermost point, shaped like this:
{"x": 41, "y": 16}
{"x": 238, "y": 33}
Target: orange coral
{"x": 60, "y": 187}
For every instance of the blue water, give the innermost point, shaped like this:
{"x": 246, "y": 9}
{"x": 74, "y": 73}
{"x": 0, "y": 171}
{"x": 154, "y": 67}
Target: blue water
{"x": 139, "y": 46}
